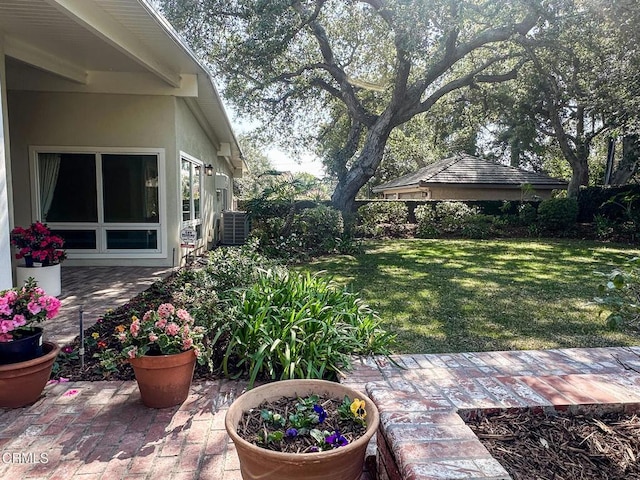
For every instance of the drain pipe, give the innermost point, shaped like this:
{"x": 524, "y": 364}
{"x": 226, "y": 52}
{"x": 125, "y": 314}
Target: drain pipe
{"x": 81, "y": 349}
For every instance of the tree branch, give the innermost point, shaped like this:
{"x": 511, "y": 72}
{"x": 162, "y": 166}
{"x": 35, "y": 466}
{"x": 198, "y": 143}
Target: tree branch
{"x": 347, "y": 93}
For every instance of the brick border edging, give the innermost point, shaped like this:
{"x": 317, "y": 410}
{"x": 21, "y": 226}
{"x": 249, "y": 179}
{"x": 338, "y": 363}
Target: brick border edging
{"x": 422, "y": 434}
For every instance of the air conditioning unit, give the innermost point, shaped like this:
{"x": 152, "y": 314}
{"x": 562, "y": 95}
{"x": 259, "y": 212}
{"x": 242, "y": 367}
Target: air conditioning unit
{"x": 235, "y": 227}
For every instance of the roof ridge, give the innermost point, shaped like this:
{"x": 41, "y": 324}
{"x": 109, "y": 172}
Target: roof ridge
{"x": 447, "y": 163}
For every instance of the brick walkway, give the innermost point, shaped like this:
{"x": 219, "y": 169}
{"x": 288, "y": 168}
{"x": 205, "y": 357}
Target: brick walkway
{"x": 423, "y": 436}
{"x": 100, "y": 430}
{"x": 96, "y": 289}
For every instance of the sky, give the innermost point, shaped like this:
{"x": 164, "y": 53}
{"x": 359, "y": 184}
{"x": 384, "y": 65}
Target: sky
{"x": 283, "y": 162}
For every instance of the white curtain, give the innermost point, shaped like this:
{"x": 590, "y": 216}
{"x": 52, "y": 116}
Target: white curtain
{"x": 49, "y": 165}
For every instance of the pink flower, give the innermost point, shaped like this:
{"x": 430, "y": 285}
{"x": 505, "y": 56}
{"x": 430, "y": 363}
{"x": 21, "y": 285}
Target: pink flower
{"x": 6, "y": 337}
{"x": 166, "y": 310}
{"x": 122, "y": 337}
{"x": 161, "y": 323}
{"x": 52, "y": 306}
{"x": 153, "y": 337}
{"x": 5, "y": 309}
{"x": 184, "y": 315}
{"x": 6, "y": 326}
{"x": 19, "y": 320}
{"x": 172, "y": 329}
{"x": 34, "y": 308}
{"x": 187, "y": 343}
{"x": 133, "y": 352}
{"x": 134, "y": 328}
{"x": 147, "y": 316}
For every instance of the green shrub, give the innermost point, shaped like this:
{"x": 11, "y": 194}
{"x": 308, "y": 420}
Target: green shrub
{"x": 290, "y": 325}
{"x": 426, "y": 219}
{"x": 477, "y": 226}
{"x": 296, "y": 236}
{"x": 558, "y": 214}
{"x": 527, "y": 214}
{"x": 620, "y": 294}
{"x": 382, "y": 219}
{"x": 449, "y": 218}
{"x": 318, "y": 228}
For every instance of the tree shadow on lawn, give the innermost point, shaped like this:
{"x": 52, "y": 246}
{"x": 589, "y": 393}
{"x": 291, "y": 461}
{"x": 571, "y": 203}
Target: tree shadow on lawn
{"x": 453, "y": 296}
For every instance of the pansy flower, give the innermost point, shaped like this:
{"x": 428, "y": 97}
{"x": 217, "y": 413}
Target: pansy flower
{"x": 336, "y": 440}
{"x": 322, "y": 415}
{"x": 357, "y": 408}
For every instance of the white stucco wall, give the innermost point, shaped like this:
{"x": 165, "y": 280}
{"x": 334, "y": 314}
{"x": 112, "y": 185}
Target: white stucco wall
{"x": 92, "y": 120}
{"x": 192, "y": 140}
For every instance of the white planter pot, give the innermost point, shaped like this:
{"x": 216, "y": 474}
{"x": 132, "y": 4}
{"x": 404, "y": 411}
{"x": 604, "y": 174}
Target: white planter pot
{"x": 48, "y": 278}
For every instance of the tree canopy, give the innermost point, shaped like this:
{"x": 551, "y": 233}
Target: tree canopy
{"x": 378, "y": 63}
{"x": 356, "y": 79}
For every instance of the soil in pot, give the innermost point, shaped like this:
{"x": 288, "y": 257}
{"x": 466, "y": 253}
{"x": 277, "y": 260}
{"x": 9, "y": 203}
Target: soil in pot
{"x": 562, "y": 447}
{"x": 257, "y": 425}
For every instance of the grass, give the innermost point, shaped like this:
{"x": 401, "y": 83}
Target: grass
{"x": 469, "y": 295}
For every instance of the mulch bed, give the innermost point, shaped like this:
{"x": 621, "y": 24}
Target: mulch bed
{"x": 563, "y": 447}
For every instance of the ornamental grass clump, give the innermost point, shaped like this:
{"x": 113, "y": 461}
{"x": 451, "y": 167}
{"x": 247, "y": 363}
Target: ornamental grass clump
{"x": 289, "y": 325}
{"x": 304, "y": 425}
{"x": 165, "y": 331}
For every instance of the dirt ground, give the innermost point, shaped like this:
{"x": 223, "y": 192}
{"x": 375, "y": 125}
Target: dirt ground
{"x": 563, "y": 447}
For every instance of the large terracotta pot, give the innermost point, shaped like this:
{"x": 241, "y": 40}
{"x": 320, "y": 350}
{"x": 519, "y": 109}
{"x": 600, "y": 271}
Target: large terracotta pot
{"x": 22, "y": 383}
{"x": 164, "y": 380}
{"x": 344, "y": 463}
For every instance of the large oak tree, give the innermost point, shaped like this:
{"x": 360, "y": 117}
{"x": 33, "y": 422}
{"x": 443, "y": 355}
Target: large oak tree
{"x": 379, "y": 63}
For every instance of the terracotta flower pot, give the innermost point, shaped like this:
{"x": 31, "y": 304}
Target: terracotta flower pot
{"x": 164, "y": 380}
{"x": 22, "y": 383}
{"x": 344, "y": 463}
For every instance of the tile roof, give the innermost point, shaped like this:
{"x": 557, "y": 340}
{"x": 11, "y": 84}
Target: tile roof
{"x": 469, "y": 170}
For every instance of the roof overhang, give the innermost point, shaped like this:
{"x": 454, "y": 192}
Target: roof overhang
{"x": 493, "y": 186}
{"x": 110, "y": 46}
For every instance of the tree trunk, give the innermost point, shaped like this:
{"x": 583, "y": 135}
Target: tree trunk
{"x": 363, "y": 169}
{"x": 579, "y": 177}
{"x": 630, "y": 160}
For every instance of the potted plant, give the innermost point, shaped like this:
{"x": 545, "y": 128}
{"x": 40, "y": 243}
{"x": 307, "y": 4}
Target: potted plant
{"x": 284, "y": 411}
{"x": 39, "y": 248}
{"x": 25, "y": 360}
{"x": 162, "y": 348}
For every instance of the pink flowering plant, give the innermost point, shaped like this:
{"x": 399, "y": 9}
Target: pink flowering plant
{"x": 39, "y": 243}
{"x": 165, "y": 331}
{"x": 21, "y": 308}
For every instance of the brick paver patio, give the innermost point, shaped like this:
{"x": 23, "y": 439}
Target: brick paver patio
{"x": 101, "y": 430}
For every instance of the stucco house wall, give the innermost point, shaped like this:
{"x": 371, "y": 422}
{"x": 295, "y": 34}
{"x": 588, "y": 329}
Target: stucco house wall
{"x": 97, "y": 121}
{"x": 192, "y": 140}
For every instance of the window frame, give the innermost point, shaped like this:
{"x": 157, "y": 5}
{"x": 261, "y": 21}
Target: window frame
{"x": 198, "y": 166}
{"x": 101, "y": 227}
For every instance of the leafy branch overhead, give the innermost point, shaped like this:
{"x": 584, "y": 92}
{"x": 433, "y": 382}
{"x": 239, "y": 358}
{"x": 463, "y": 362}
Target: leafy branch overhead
{"x": 384, "y": 61}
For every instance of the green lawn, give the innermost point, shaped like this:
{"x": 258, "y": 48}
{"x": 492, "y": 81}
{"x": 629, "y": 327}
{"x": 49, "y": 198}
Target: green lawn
{"x": 472, "y": 295}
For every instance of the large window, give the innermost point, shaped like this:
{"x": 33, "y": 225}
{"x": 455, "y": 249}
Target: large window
{"x": 101, "y": 202}
{"x": 191, "y": 188}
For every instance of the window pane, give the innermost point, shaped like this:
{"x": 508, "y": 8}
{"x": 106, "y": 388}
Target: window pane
{"x": 197, "y": 172}
{"x": 185, "y": 182}
{"x": 68, "y": 187}
{"x": 130, "y": 185}
{"x": 78, "y": 239}
{"x": 132, "y": 239}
